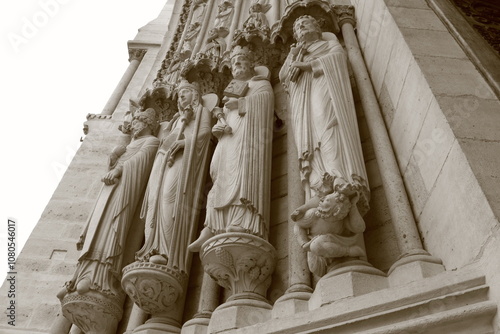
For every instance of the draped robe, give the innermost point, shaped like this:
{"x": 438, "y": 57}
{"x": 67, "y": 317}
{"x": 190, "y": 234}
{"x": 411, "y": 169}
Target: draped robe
{"x": 170, "y": 206}
{"x": 241, "y": 165}
{"x": 323, "y": 117}
{"x": 101, "y": 256}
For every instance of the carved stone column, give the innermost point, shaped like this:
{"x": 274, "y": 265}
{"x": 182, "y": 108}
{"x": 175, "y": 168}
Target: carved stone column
{"x": 209, "y": 300}
{"x": 137, "y": 317}
{"x": 298, "y": 293}
{"x": 414, "y": 262}
{"x": 135, "y": 58}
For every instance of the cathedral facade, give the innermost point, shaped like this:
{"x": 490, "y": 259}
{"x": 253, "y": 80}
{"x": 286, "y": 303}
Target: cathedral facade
{"x": 280, "y": 166}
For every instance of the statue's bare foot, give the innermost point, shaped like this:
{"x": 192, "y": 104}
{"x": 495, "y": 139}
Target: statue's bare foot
{"x": 60, "y": 295}
{"x": 204, "y": 236}
{"x": 83, "y": 286}
{"x": 158, "y": 259}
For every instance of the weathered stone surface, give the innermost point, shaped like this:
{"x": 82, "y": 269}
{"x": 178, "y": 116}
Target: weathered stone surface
{"x": 433, "y": 145}
{"x": 422, "y": 4}
{"x": 279, "y": 211}
{"x": 440, "y": 72}
{"x": 471, "y": 117}
{"x": 455, "y": 232}
{"x": 410, "y": 114}
{"x": 279, "y": 167}
{"x": 416, "y": 18}
{"x": 432, "y": 42}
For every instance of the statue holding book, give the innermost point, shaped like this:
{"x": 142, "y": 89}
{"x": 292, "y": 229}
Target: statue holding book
{"x": 240, "y": 168}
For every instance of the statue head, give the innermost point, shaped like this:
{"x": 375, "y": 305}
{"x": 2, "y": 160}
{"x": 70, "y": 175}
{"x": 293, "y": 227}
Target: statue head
{"x": 188, "y": 94}
{"x": 144, "y": 122}
{"x": 306, "y": 28}
{"x": 335, "y": 205}
{"x": 242, "y": 66}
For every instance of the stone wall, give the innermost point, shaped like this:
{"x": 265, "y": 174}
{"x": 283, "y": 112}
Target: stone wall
{"x": 444, "y": 123}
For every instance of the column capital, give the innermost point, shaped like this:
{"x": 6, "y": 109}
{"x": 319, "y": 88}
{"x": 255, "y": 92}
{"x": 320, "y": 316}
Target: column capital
{"x": 136, "y": 54}
{"x": 345, "y": 14}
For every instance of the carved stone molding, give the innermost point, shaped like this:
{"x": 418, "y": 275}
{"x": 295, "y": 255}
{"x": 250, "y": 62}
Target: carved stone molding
{"x": 161, "y": 77}
{"x": 136, "y": 54}
{"x": 207, "y": 73}
{"x": 162, "y": 99}
{"x": 345, "y": 14}
{"x": 98, "y": 116}
{"x": 240, "y": 262}
{"x": 153, "y": 287}
{"x": 484, "y": 16}
{"x": 93, "y": 312}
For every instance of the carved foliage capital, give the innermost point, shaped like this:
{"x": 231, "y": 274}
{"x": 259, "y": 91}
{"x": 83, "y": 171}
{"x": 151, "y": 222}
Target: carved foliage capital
{"x": 153, "y": 287}
{"x": 239, "y": 262}
{"x": 93, "y": 312}
{"x": 345, "y": 14}
{"x": 136, "y": 54}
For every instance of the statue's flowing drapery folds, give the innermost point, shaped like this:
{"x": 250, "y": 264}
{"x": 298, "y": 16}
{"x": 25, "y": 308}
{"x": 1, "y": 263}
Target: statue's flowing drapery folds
{"x": 169, "y": 204}
{"x": 101, "y": 257}
{"x": 240, "y": 194}
{"x": 323, "y": 116}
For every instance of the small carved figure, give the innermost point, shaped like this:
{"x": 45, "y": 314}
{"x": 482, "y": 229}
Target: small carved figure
{"x": 191, "y": 33}
{"x": 216, "y": 45}
{"x": 169, "y": 207}
{"x": 240, "y": 168}
{"x": 332, "y": 226}
{"x": 199, "y": 10}
{"x": 257, "y": 19}
{"x": 103, "y": 241}
{"x": 224, "y": 15}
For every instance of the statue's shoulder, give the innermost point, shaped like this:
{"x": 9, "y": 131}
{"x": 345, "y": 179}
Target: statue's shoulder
{"x": 151, "y": 140}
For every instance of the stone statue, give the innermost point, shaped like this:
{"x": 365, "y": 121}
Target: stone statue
{"x": 188, "y": 45}
{"x": 334, "y": 225}
{"x": 323, "y": 120}
{"x": 216, "y": 45}
{"x": 178, "y": 173}
{"x": 224, "y": 15}
{"x": 103, "y": 241}
{"x": 240, "y": 168}
{"x": 257, "y": 17}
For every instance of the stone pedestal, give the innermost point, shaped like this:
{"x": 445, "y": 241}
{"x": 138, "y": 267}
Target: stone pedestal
{"x": 93, "y": 312}
{"x": 197, "y": 325}
{"x": 157, "y": 290}
{"x": 349, "y": 279}
{"x": 414, "y": 266}
{"x": 239, "y": 313}
{"x": 243, "y": 264}
{"x": 291, "y": 303}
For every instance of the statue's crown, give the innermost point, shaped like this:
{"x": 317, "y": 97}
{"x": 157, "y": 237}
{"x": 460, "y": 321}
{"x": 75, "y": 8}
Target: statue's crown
{"x": 148, "y": 115}
{"x": 186, "y": 84}
{"x": 241, "y": 51}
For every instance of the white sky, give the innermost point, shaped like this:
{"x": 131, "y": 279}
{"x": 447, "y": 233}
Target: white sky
{"x": 56, "y": 73}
